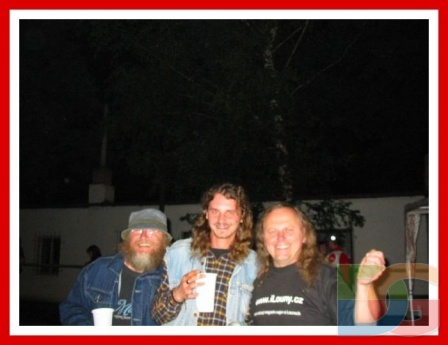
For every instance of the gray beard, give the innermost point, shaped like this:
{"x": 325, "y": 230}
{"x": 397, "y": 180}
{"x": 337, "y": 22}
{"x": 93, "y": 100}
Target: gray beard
{"x": 141, "y": 262}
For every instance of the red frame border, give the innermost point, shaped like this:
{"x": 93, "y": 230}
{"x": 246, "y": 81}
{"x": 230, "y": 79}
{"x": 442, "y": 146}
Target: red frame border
{"x": 5, "y": 8}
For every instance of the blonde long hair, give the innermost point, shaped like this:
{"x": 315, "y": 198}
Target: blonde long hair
{"x": 201, "y": 230}
{"x": 310, "y": 258}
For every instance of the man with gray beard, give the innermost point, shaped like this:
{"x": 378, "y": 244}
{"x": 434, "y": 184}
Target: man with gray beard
{"x": 127, "y": 281}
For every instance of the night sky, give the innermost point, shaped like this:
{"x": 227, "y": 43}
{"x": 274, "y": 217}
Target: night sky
{"x": 190, "y": 103}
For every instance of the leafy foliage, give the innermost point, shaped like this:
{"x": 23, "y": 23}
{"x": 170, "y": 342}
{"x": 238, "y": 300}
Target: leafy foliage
{"x": 333, "y": 214}
{"x": 190, "y": 218}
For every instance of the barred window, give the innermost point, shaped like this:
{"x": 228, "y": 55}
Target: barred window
{"x": 49, "y": 250}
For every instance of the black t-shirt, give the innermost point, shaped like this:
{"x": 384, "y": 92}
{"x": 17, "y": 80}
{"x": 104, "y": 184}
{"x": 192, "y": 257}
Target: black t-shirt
{"x": 219, "y": 252}
{"x": 284, "y": 299}
{"x": 123, "y": 312}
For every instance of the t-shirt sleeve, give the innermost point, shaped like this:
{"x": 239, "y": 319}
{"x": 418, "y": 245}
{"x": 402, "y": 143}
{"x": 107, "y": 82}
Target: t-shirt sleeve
{"x": 345, "y": 302}
{"x": 330, "y": 291}
{"x": 339, "y": 302}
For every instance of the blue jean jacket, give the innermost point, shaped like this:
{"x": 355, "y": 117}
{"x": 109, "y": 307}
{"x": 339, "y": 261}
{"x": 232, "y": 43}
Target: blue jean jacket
{"x": 97, "y": 286}
{"x": 179, "y": 262}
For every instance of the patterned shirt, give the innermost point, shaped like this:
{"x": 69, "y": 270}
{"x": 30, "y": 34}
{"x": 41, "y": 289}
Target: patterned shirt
{"x": 166, "y": 308}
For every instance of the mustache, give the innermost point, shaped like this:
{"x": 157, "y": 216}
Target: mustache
{"x": 143, "y": 261}
{"x": 152, "y": 243}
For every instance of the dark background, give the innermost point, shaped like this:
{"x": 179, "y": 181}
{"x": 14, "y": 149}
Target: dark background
{"x": 340, "y": 105}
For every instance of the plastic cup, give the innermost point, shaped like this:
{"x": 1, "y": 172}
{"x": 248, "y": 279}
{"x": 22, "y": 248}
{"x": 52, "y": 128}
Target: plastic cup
{"x": 205, "y": 300}
{"x": 103, "y": 316}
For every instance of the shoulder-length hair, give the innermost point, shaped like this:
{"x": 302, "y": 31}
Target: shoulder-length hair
{"x": 310, "y": 258}
{"x": 201, "y": 230}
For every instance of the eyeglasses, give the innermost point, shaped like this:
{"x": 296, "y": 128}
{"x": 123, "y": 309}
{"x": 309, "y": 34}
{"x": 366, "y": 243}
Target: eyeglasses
{"x": 149, "y": 232}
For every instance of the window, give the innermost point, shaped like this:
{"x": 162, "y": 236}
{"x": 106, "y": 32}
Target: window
{"x": 49, "y": 249}
{"x": 342, "y": 236}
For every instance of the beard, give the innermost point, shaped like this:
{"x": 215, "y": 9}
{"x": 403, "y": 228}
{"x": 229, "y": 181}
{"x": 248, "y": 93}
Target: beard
{"x": 142, "y": 262}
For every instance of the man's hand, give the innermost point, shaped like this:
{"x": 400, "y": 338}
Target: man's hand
{"x": 372, "y": 267}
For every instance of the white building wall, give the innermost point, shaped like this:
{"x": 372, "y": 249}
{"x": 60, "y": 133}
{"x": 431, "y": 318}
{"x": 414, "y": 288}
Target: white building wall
{"x": 384, "y": 227}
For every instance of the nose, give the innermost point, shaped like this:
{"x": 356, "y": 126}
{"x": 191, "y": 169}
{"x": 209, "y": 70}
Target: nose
{"x": 281, "y": 235}
{"x": 146, "y": 233}
{"x": 221, "y": 217}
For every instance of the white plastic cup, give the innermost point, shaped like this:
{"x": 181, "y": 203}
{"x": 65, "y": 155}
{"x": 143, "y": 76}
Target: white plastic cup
{"x": 205, "y": 300}
{"x": 103, "y": 316}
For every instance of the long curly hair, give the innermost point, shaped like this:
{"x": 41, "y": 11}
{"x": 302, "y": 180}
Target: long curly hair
{"x": 310, "y": 258}
{"x": 201, "y": 230}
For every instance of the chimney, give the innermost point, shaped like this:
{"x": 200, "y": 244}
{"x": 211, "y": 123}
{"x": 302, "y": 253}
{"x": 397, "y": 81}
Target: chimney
{"x": 101, "y": 189}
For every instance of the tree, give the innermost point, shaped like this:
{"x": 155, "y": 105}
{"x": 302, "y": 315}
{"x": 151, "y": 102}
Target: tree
{"x": 328, "y": 214}
{"x": 287, "y": 108}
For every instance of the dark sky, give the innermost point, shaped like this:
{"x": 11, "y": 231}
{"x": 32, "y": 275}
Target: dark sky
{"x": 190, "y": 105}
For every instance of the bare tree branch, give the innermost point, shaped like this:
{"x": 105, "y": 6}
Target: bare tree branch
{"x": 297, "y": 43}
{"x": 331, "y": 65}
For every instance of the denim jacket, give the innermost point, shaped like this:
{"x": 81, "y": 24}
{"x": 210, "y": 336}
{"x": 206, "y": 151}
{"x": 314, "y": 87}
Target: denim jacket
{"x": 97, "y": 286}
{"x": 179, "y": 262}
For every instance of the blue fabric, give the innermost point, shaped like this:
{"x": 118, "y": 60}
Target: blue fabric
{"x": 346, "y": 311}
{"x": 97, "y": 287}
{"x": 179, "y": 261}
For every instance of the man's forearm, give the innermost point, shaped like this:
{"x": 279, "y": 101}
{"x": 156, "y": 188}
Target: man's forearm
{"x": 368, "y": 308}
